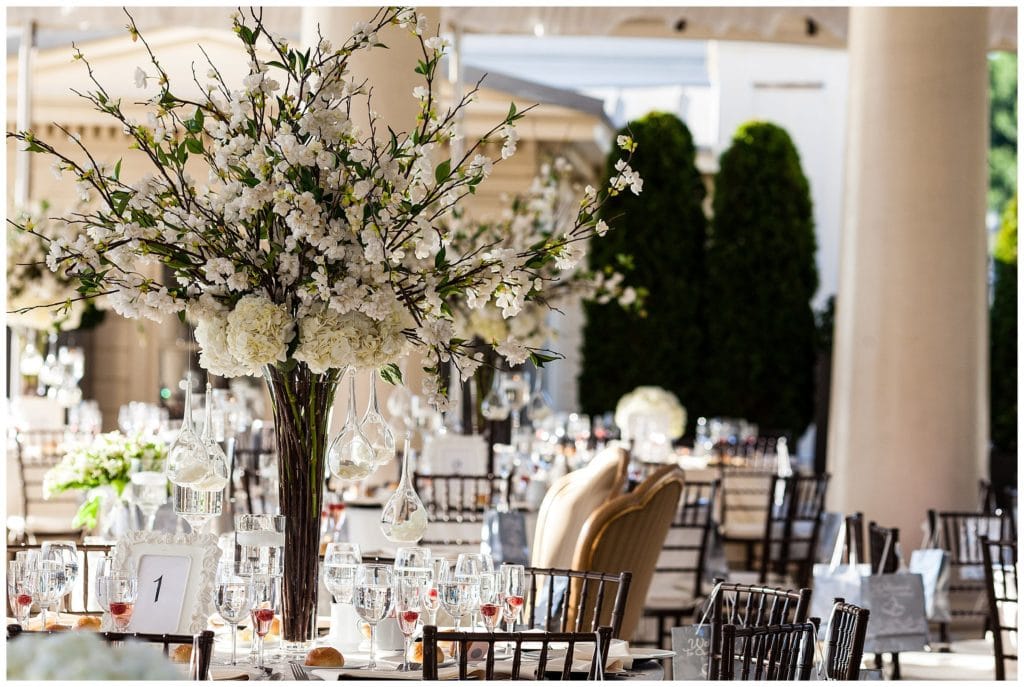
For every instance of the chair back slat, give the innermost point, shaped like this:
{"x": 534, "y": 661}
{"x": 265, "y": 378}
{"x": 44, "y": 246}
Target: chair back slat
{"x": 844, "y": 641}
{"x": 580, "y": 606}
{"x": 774, "y": 652}
{"x": 882, "y": 548}
{"x": 681, "y": 563}
{"x": 1000, "y": 560}
{"x": 791, "y": 532}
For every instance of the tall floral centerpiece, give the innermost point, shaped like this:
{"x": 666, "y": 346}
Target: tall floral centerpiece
{"x": 309, "y": 245}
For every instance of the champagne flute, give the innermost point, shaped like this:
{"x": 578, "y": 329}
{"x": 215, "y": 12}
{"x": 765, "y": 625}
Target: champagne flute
{"x": 234, "y": 597}
{"x": 21, "y": 590}
{"x": 512, "y": 581}
{"x": 490, "y": 610}
{"x": 261, "y": 611}
{"x": 409, "y": 611}
{"x": 431, "y": 600}
{"x": 122, "y": 593}
{"x": 104, "y": 569}
{"x": 372, "y": 599}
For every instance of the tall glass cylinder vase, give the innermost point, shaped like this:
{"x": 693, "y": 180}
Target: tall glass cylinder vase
{"x": 302, "y": 402}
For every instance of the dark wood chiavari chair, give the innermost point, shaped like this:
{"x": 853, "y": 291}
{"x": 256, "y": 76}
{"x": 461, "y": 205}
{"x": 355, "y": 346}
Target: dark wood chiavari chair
{"x": 1000, "y": 561}
{"x": 746, "y": 605}
{"x": 999, "y": 501}
{"x": 203, "y": 642}
{"x": 745, "y": 491}
{"x": 844, "y": 641}
{"x": 960, "y": 534}
{"x": 682, "y": 560}
{"x": 458, "y": 500}
{"x": 541, "y": 641}
{"x": 88, "y": 553}
{"x": 791, "y": 530}
{"x": 775, "y": 652}
{"x": 883, "y": 552}
{"x": 855, "y": 537}
{"x": 576, "y": 600}
{"x": 38, "y": 450}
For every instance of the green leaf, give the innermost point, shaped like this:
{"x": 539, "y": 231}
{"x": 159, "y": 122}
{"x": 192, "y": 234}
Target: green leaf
{"x": 117, "y": 171}
{"x": 539, "y": 359}
{"x": 391, "y": 374}
{"x": 439, "y": 259}
{"x": 194, "y": 145}
{"x": 443, "y": 171}
{"x": 88, "y": 514}
{"x": 511, "y": 111}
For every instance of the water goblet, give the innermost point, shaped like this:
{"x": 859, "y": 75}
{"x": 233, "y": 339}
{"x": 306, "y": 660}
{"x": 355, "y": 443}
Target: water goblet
{"x": 373, "y": 599}
{"x": 234, "y": 597}
{"x": 21, "y": 590}
{"x": 66, "y": 553}
{"x": 122, "y": 593}
{"x": 52, "y": 579}
{"x": 149, "y": 492}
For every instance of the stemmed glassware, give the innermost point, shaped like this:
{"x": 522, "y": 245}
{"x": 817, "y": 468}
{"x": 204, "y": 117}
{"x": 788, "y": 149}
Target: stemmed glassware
{"x": 122, "y": 593}
{"x": 104, "y": 569}
{"x": 235, "y": 594}
{"x": 350, "y": 456}
{"x": 51, "y": 580}
{"x": 431, "y": 599}
{"x": 376, "y": 430}
{"x": 265, "y": 596}
{"x": 149, "y": 492}
{"x": 341, "y": 559}
{"x": 21, "y": 590}
{"x": 490, "y": 610}
{"x": 471, "y": 567}
{"x": 517, "y": 391}
{"x": 65, "y": 553}
{"x": 409, "y": 610}
{"x": 187, "y": 452}
{"x": 512, "y": 583}
{"x": 196, "y": 507}
{"x": 404, "y": 517}
{"x": 373, "y": 598}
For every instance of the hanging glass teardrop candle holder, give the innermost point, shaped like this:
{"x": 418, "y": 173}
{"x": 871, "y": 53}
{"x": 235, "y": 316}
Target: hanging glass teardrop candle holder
{"x": 404, "y": 518}
{"x": 215, "y": 474}
{"x": 187, "y": 453}
{"x": 351, "y": 456}
{"x": 495, "y": 405}
{"x": 376, "y": 429}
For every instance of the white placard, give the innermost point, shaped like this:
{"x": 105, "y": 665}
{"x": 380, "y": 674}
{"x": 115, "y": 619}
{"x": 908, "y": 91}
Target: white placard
{"x": 163, "y": 583}
{"x": 176, "y": 574}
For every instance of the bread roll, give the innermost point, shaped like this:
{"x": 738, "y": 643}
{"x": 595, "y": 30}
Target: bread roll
{"x": 88, "y": 622}
{"x": 325, "y": 657}
{"x": 182, "y": 653}
{"x": 417, "y": 653}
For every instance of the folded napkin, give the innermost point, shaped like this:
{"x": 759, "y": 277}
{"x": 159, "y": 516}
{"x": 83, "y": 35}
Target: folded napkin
{"x": 583, "y": 655}
{"x": 448, "y": 673}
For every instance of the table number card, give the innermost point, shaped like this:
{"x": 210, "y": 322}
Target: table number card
{"x": 176, "y": 574}
{"x": 163, "y": 583}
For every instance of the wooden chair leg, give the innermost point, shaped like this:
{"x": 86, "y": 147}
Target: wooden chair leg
{"x": 896, "y": 667}
{"x": 944, "y": 637}
{"x": 878, "y": 661}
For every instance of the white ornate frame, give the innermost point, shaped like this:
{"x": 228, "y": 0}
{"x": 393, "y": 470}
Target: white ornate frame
{"x": 200, "y": 548}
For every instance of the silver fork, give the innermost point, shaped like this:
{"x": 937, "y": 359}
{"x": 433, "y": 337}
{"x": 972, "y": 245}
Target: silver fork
{"x": 298, "y": 672}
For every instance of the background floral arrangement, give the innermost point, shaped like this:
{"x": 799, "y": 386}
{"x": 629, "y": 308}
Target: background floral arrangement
{"x": 30, "y": 284}
{"x": 310, "y": 240}
{"x": 660, "y": 406}
{"x": 84, "y": 656}
{"x": 532, "y": 218}
{"x": 106, "y": 461}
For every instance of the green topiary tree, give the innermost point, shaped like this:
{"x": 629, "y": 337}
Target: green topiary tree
{"x": 664, "y": 230}
{"x": 760, "y": 333}
{"x": 1003, "y": 335}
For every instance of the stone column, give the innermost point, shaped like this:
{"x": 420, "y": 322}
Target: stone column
{"x": 390, "y": 74}
{"x": 909, "y": 419}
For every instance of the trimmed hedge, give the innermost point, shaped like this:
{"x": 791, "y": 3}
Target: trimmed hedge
{"x": 664, "y": 230}
{"x": 761, "y": 276}
{"x": 1003, "y": 335}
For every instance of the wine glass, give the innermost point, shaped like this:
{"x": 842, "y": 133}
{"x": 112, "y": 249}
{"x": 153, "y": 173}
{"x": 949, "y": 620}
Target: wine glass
{"x": 66, "y": 553}
{"x": 516, "y": 388}
{"x": 21, "y": 590}
{"x": 372, "y": 600}
{"x": 408, "y": 611}
{"x": 261, "y": 610}
{"x": 341, "y": 559}
{"x": 376, "y": 430}
{"x": 149, "y": 492}
{"x": 122, "y": 592}
{"x": 431, "y": 600}
{"x": 456, "y": 595}
{"x": 350, "y": 456}
{"x": 196, "y": 507}
{"x": 52, "y": 579}
{"x": 234, "y": 597}
{"x": 512, "y": 585}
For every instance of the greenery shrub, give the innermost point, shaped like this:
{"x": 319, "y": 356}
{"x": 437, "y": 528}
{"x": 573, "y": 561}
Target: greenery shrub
{"x": 664, "y": 230}
{"x": 1003, "y": 335}
{"x": 760, "y": 340}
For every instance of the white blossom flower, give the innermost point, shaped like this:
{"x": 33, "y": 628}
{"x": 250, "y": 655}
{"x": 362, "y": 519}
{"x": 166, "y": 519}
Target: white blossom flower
{"x": 259, "y": 331}
{"x": 140, "y": 78}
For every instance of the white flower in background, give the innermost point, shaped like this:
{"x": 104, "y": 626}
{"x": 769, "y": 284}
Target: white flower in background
{"x": 259, "y": 332}
{"x": 513, "y": 351}
{"x": 140, "y": 78}
{"x": 601, "y": 228}
{"x": 653, "y": 408}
